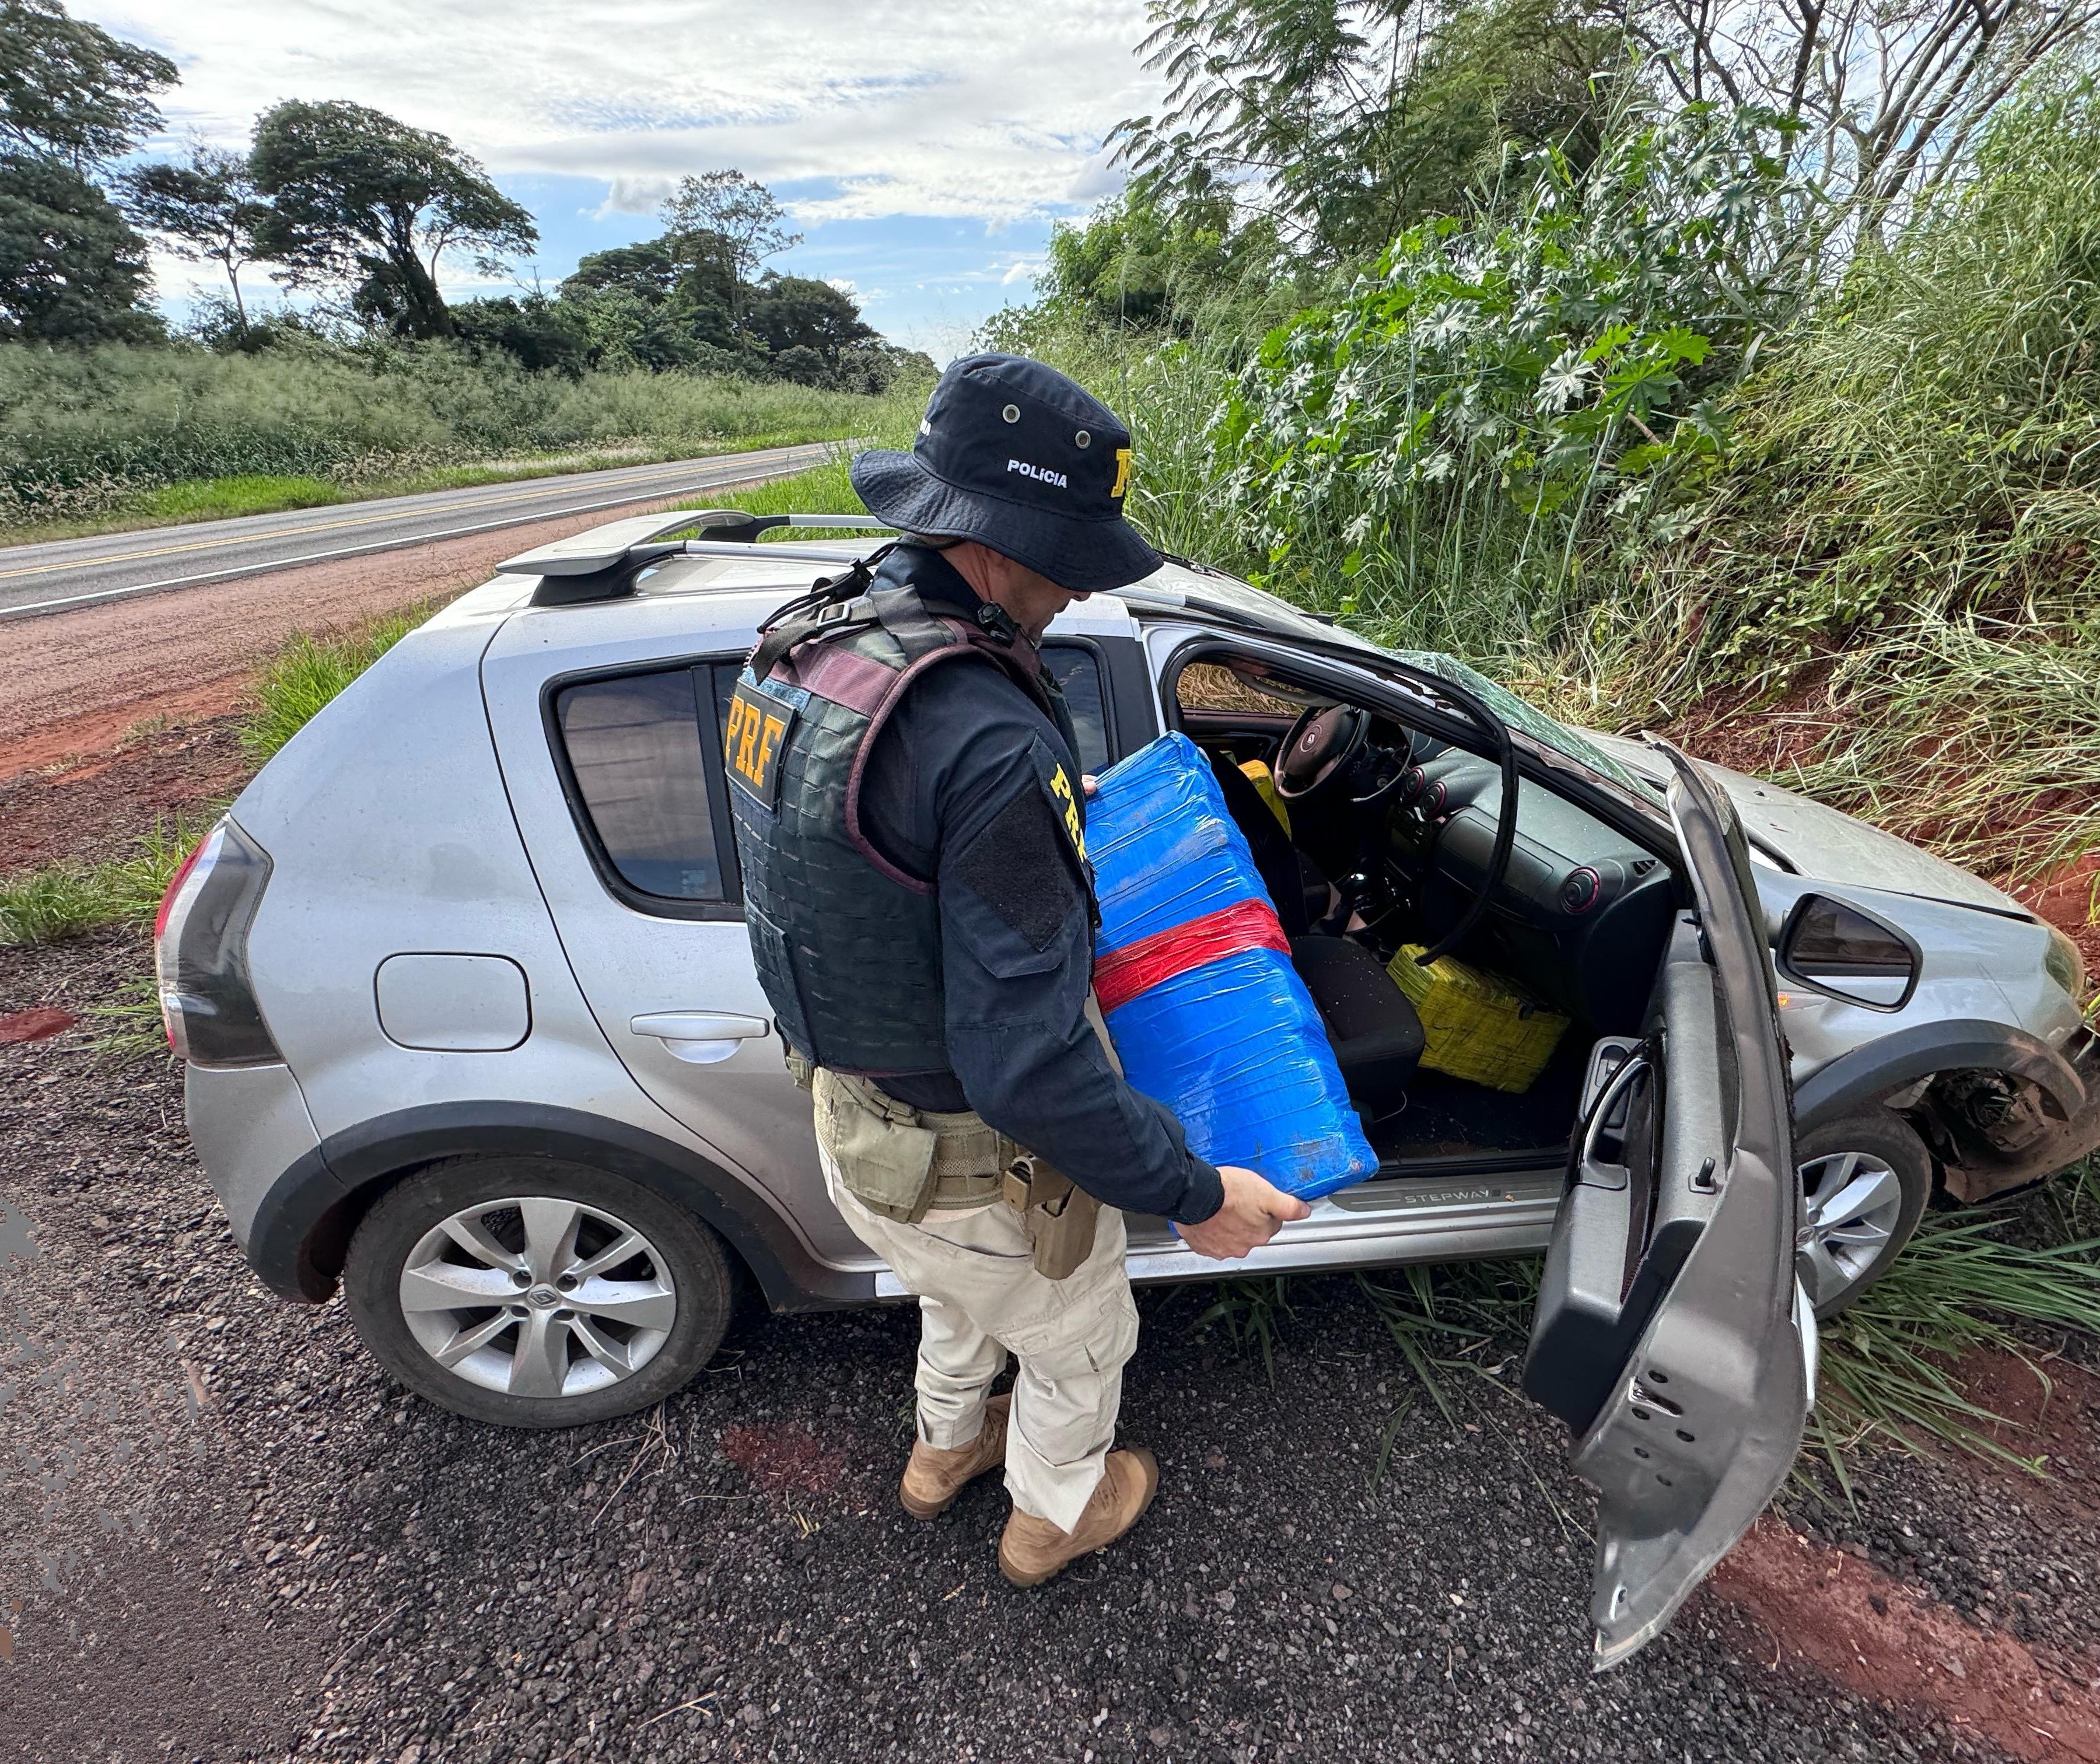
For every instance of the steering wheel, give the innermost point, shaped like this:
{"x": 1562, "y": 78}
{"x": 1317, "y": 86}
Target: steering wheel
{"x": 1322, "y": 744}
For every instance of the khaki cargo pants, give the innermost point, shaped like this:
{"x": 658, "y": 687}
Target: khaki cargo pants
{"x": 979, "y": 1297}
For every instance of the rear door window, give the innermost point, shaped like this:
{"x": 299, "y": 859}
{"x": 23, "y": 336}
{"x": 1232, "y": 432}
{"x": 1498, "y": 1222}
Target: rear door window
{"x": 645, "y": 769}
{"x": 1077, "y": 669}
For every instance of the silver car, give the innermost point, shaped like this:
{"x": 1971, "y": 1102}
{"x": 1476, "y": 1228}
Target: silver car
{"x": 472, "y": 1029}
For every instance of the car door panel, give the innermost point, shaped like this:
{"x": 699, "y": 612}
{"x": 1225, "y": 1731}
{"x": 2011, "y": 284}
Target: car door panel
{"x": 1688, "y": 1387}
{"x": 678, "y": 998}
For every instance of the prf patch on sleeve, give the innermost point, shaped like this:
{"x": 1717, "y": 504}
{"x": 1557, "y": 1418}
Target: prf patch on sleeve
{"x": 753, "y": 739}
{"x": 1068, "y": 804}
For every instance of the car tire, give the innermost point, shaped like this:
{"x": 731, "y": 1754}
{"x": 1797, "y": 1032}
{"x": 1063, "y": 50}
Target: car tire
{"x": 1866, "y": 1180}
{"x": 582, "y": 1295}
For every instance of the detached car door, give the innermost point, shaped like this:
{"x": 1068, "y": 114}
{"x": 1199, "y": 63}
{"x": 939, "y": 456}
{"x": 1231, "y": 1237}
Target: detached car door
{"x": 1670, "y": 1334}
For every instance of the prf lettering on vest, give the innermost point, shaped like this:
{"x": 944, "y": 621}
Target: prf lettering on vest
{"x": 1060, "y": 787}
{"x": 751, "y": 739}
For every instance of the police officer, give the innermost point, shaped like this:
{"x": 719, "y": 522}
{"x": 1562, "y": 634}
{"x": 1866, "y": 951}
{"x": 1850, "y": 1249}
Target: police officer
{"x": 910, "y": 817}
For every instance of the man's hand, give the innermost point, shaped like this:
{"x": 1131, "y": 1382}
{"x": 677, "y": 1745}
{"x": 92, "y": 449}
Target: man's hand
{"x": 1254, "y": 1208}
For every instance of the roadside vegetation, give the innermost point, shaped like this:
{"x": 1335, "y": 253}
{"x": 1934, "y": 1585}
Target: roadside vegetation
{"x": 1767, "y": 422}
{"x": 93, "y": 438}
{"x": 329, "y": 364}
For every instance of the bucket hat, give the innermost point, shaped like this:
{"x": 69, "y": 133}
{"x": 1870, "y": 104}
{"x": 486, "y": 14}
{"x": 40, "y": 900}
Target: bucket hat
{"x": 1016, "y": 456}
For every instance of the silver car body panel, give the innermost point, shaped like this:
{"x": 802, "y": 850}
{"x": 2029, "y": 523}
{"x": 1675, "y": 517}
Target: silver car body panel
{"x": 249, "y": 1126}
{"x": 389, "y": 832}
{"x": 1825, "y": 842}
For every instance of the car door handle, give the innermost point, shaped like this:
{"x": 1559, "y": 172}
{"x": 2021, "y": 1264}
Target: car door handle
{"x": 699, "y": 1037}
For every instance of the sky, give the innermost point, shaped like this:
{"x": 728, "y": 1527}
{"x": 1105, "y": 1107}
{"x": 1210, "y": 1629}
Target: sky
{"x": 925, "y": 149}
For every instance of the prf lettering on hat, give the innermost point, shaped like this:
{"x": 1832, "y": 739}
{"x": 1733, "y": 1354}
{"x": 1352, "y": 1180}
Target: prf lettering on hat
{"x": 1122, "y": 473}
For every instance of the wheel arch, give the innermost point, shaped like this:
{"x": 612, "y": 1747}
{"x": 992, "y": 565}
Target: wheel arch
{"x": 2069, "y": 1088}
{"x": 1853, "y": 1080}
{"x": 302, "y": 1228}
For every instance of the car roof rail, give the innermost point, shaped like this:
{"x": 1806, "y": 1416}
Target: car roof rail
{"x": 602, "y": 564}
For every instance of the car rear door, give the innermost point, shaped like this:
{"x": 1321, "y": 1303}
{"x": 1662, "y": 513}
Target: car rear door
{"x": 1670, "y": 1333}
{"x": 611, "y": 745}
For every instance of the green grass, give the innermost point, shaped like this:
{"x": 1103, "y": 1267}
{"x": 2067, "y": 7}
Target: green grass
{"x": 65, "y": 900}
{"x": 1967, "y": 1284}
{"x": 86, "y": 435}
{"x": 214, "y": 499}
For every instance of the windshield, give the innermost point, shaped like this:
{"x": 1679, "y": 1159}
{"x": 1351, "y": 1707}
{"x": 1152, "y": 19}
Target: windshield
{"x": 1531, "y": 721}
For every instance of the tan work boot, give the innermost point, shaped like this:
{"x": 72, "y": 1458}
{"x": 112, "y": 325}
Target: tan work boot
{"x": 936, "y": 1473}
{"x": 1032, "y": 1550}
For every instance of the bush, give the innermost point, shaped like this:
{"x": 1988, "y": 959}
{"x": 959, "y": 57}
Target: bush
{"x": 64, "y": 900}
{"x": 83, "y": 432}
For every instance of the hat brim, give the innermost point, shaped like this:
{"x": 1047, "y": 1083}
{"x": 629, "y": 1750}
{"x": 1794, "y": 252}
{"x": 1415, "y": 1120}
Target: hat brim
{"x": 1083, "y": 555}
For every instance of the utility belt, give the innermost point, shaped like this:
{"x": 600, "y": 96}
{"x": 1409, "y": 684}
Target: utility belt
{"x": 904, "y": 1163}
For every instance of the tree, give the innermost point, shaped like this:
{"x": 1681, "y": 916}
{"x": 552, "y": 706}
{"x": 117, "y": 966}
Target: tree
{"x": 736, "y": 207}
{"x": 542, "y": 336}
{"x": 70, "y": 96}
{"x": 1342, "y": 120}
{"x": 1885, "y": 95}
{"x": 662, "y": 303}
{"x": 797, "y": 313}
{"x": 71, "y": 271}
{"x": 357, "y": 197}
{"x": 207, "y": 210}
{"x": 69, "y": 91}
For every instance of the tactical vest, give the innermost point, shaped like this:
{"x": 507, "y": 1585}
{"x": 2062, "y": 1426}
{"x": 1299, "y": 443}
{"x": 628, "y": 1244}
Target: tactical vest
{"x": 848, "y": 945}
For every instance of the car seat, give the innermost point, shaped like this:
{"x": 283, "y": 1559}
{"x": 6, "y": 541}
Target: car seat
{"x": 1374, "y": 1032}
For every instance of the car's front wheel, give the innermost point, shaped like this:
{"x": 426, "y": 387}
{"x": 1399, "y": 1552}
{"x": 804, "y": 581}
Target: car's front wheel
{"x": 534, "y": 1294}
{"x": 1864, "y": 1181}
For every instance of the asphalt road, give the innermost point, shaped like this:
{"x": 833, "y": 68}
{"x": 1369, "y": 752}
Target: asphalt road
{"x": 67, "y": 573}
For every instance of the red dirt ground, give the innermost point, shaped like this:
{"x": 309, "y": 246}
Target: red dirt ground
{"x": 1821, "y": 1609}
{"x": 783, "y": 1460}
{"x": 98, "y": 808}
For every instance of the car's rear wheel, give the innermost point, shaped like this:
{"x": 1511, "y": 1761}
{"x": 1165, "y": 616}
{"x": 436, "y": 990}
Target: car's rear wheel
{"x": 1865, "y": 1181}
{"x": 534, "y": 1294}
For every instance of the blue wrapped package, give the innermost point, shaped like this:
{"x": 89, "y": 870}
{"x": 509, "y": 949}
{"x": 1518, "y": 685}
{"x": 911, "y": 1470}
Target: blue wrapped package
{"x": 1195, "y": 976}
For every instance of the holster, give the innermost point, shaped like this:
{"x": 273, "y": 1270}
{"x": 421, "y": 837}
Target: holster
{"x": 1060, "y": 1215}
{"x": 901, "y": 1161}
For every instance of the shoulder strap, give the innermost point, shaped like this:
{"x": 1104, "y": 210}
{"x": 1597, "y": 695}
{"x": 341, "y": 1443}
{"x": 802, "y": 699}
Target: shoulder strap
{"x": 816, "y": 612}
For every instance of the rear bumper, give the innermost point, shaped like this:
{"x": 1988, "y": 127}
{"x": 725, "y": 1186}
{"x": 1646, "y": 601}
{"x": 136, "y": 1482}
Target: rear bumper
{"x": 249, "y": 1126}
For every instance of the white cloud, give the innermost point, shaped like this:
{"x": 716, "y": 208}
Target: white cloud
{"x": 969, "y": 110}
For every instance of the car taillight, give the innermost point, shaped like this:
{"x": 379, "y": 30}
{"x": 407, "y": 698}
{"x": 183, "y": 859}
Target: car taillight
{"x": 201, "y": 953}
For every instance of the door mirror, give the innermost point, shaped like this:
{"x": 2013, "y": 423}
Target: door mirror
{"x": 1833, "y": 947}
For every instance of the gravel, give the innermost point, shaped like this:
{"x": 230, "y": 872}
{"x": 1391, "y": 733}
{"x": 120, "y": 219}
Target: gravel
{"x": 228, "y": 1537}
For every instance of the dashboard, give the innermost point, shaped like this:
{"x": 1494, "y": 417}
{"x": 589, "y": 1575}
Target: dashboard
{"x": 1582, "y": 913}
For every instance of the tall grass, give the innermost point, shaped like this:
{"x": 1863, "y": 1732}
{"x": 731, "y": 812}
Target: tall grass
{"x": 64, "y": 900}
{"x": 1606, "y": 444}
{"x": 89, "y": 431}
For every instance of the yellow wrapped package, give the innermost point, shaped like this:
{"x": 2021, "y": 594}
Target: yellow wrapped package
{"x": 1476, "y": 1026}
{"x": 1265, "y": 781}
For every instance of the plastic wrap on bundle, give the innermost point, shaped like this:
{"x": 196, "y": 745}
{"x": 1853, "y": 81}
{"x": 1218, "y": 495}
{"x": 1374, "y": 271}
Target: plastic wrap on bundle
{"x": 1194, "y": 975}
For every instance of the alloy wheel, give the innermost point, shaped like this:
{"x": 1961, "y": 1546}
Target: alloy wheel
{"x": 1852, "y": 1204}
{"x": 538, "y": 1296}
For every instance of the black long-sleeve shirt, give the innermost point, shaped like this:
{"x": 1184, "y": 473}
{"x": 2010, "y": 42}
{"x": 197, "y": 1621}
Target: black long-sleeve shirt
{"x": 970, "y": 784}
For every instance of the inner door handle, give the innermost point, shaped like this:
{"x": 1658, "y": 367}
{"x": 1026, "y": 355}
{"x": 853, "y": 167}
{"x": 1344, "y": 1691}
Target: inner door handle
{"x": 699, "y": 1037}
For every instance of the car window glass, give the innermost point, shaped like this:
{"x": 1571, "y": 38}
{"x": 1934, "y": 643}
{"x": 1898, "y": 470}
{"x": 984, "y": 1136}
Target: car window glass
{"x": 634, "y": 746}
{"x": 1211, "y": 687}
{"x": 1078, "y": 673}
